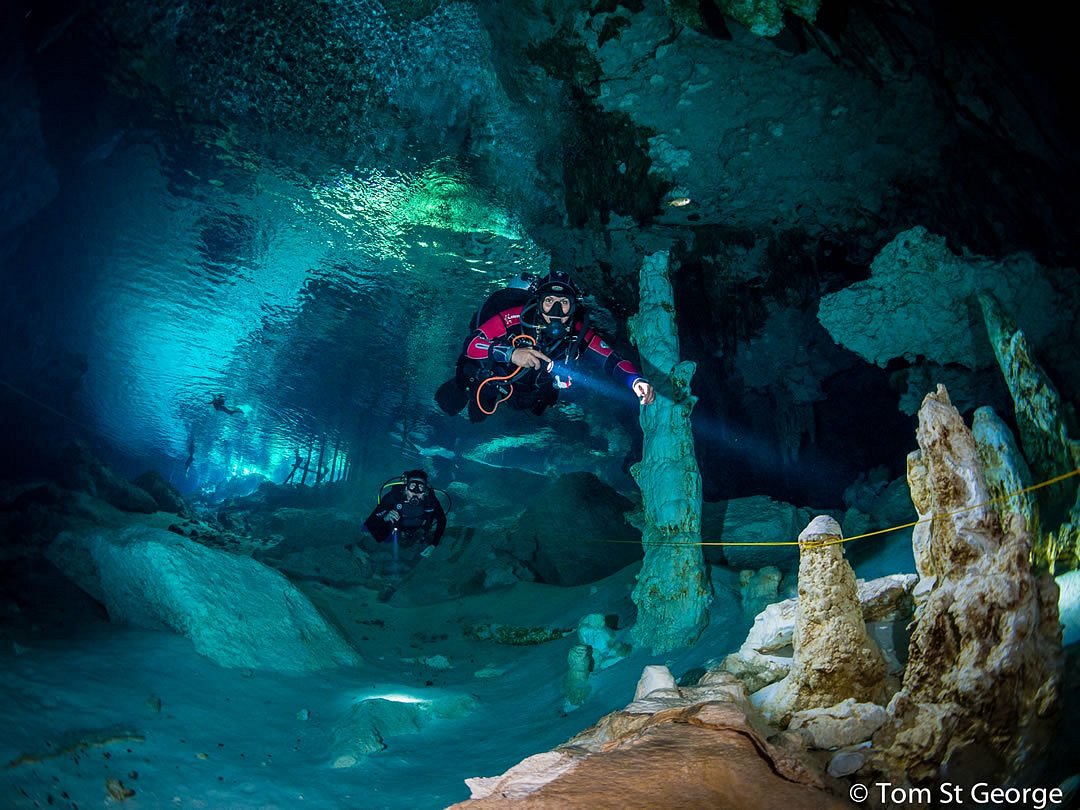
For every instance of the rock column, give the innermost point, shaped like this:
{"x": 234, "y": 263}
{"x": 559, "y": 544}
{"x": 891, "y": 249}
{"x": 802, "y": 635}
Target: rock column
{"x": 1045, "y": 426}
{"x": 671, "y": 594}
{"x": 984, "y": 665}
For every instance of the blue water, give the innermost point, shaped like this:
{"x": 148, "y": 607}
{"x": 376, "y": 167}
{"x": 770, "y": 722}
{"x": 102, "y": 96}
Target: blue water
{"x": 327, "y": 310}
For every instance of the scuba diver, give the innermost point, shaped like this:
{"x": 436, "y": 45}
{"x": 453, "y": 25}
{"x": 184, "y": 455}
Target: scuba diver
{"x": 523, "y": 345}
{"x": 409, "y": 515}
{"x": 404, "y": 517}
{"x": 219, "y": 405}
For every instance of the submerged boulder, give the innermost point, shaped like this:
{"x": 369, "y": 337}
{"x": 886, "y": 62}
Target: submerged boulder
{"x": 754, "y": 520}
{"x": 236, "y": 611}
{"x": 165, "y": 495}
{"x": 370, "y": 724}
{"x": 84, "y": 472}
{"x": 577, "y": 528}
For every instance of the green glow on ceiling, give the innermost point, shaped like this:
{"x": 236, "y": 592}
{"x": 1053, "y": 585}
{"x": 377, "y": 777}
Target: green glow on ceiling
{"x": 382, "y": 206}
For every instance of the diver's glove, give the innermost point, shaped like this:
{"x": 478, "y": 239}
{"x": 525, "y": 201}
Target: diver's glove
{"x": 427, "y": 551}
{"x": 644, "y": 391}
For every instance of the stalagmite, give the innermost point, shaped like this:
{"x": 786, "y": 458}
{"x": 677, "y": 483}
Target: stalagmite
{"x": 671, "y": 595}
{"x": 984, "y": 666}
{"x": 1007, "y": 473}
{"x": 1045, "y": 424}
{"x": 834, "y": 659}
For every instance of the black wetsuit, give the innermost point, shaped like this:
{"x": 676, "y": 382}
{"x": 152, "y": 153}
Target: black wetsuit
{"x": 422, "y": 521}
{"x": 488, "y": 349}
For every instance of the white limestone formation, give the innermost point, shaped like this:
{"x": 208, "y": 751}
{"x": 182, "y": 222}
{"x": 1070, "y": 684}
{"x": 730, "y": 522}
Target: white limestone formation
{"x": 983, "y": 674}
{"x": 833, "y": 657}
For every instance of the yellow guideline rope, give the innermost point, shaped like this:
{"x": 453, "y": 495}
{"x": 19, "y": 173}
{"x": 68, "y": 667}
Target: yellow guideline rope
{"x": 1046, "y": 483}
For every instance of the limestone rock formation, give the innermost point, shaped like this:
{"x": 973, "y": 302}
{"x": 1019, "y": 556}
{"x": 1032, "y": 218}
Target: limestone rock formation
{"x": 766, "y": 655}
{"x": 1006, "y": 470}
{"x": 165, "y": 495}
{"x": 236, "y": 611}
{"x": 758, "y": 589}
{"x": 1046, "y": 433}
{"x": 585, "y": 538}
{"x": 368, "y": 725}
{"x": 846, "y": 723}
{"x": 670, "y": 594}
{"x": 576, "y": 683}
{"x": 834, "y": 659}
{"x": 917, "y": 281}
{"x": 595, "y": 631}
{"x": 697, "y": 746}
{"x": 983, "y": 673}
{"x": 758, "y": 519}
{"x": 766, "y": 19}
{"x": 84, "y": 472}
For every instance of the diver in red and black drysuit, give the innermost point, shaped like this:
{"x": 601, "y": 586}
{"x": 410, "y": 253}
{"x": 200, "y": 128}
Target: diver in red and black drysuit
{"x": 523, "y": 347}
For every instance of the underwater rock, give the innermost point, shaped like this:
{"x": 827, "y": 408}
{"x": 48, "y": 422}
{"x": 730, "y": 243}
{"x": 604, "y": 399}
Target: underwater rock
{"x": 165, "y": 495}
{"x": 765, "y": 656}
{"x": 306, "y": 529}
{"x": 766, "y": 17}
{"x": 671, "y": 594}
{"x": 594, "y": 631}
{"x": 577, "y": 526}
{"x": 889, "y": 502}
{"x": 982, "y": 680}
{"x": 754, "y": 663}
{"x": 236, "y": 611}
{"x": 1006, "y": 471}
{"x": 846, "y": 723}
{"x": 1040, "y": 413}
{"x": 1069, "y": 605}
{"x": 846, "y": 763}
{"x": 968, "y": 388}
{"x": 370, "y": 723}
{"x": 919, "y": 294}
{"x": 758, "y": 589}
{"x": 1045, "y": 425}
{"x": 84, "y": 472}
{"x": 514, "y": 636}
{"x": 526, "y": 777}
{"x": 655, "y": 678}
{"x": 700, "y": 748}
{"x": 33, "y": 514}
{"x": 243, "y": 486}
{"x": 759, "y": 519}
{"x": 576, "y": 683}
{"x": 834, "y": 659}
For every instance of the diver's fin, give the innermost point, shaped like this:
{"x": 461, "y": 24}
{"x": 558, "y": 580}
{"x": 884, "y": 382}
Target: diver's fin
{"x": 451, "y": 398}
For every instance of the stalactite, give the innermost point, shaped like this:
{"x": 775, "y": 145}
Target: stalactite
{"x": 670, "y": 594}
